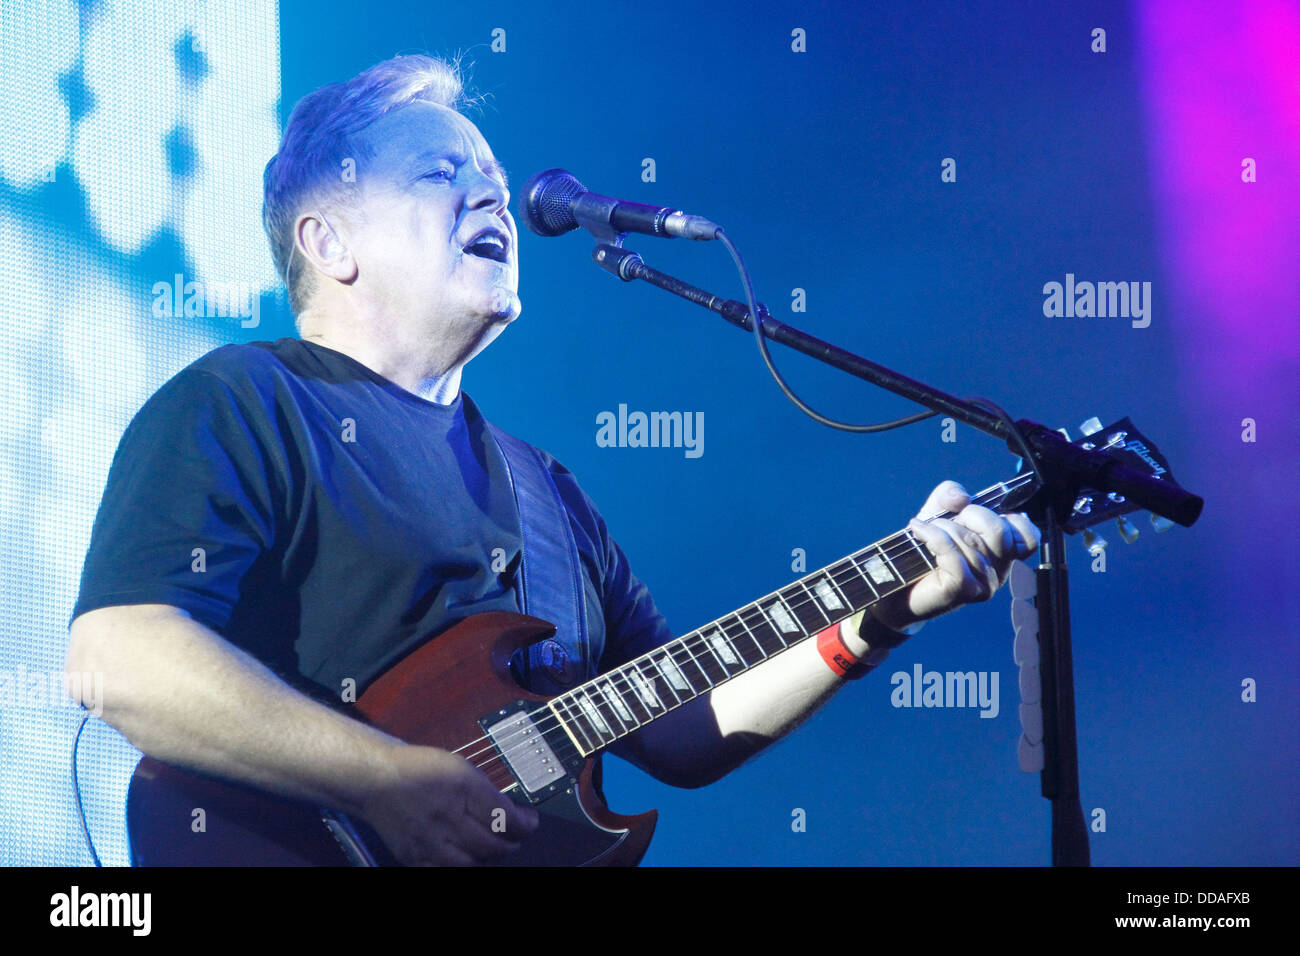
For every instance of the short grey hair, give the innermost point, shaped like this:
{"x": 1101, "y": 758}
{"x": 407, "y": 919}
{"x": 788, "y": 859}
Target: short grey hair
{"x": 321, "y": 136}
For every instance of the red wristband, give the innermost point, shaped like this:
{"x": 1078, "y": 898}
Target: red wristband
{"x": 837, "y": 657}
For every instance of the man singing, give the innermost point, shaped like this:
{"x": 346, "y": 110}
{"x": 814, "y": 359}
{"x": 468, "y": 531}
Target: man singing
{"x": 282, "y": 518}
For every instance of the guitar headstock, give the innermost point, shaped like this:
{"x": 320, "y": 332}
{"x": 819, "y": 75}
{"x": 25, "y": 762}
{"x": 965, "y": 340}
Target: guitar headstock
{"x": 1123, "y": 441}
{"x": 1137, "y": 459}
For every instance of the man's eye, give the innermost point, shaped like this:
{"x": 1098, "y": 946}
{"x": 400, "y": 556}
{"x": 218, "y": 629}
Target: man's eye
{"x": 445, "y": 175}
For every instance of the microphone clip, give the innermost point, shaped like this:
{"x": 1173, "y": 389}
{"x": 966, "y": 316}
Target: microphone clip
{"x": 614, "y": 259}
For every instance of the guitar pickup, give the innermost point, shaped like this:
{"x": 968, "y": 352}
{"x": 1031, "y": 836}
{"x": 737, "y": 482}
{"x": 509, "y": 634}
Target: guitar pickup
{"x": 525, "y": 750}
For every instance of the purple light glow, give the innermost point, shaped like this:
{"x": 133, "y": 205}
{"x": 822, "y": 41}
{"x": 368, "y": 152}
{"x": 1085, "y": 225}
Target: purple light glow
{"x": 1221, "y": 84}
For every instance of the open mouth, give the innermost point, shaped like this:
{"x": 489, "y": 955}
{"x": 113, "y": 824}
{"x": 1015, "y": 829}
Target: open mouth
{"x": 488, "y": 246}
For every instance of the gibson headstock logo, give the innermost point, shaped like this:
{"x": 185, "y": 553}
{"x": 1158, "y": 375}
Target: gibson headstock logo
{"x": 1140, "y": 449}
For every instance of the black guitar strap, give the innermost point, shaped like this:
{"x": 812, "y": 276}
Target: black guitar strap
{"x": 549, "y": 583}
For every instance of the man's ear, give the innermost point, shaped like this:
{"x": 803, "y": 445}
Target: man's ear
{"x": 327, "y": 250}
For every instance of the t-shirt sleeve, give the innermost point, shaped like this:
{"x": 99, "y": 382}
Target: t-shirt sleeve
{"x": 187, "y": 508}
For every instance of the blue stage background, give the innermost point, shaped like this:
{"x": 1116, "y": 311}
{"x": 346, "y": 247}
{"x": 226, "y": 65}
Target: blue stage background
{"x": 825, "y": 167}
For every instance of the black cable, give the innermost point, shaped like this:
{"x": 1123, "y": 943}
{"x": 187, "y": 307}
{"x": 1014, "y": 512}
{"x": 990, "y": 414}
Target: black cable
{"x": 1016, "y": 433}
{"x": 767, "y": 359}
{"x": 1012, "y": 428}
{"x": 76, "y": 793}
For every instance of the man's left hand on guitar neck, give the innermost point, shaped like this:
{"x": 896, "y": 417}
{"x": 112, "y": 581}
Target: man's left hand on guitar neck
{"x": 972, "y": 550}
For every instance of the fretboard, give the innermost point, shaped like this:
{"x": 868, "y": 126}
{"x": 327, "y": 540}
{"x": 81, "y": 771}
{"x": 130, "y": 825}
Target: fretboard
{"x": 621, "y": 701}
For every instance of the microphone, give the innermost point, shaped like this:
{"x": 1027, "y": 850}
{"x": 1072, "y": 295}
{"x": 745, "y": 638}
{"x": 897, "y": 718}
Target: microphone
{"x": 554, "y": 202}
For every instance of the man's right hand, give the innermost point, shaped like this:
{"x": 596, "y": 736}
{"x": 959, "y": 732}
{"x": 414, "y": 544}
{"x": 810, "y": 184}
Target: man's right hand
{"x": 184, "y": 695}
{"x": 437, "y": 809}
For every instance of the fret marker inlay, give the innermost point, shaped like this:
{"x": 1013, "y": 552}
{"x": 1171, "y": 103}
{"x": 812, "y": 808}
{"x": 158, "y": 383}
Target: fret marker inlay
{"x": 616, "y": 701}
{"x": 645, "y": 689}
{"x": 828, "y": 595}
{"x": 783, "y": 619}
{"x": 879, "y": 573}
{"x": 593, "y": 714}
{"x": 673, "y": 673}
{"x": 723, "y": 649}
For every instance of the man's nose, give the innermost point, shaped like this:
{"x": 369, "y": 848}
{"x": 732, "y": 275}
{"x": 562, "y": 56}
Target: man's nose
{"x": 486, "y": 192}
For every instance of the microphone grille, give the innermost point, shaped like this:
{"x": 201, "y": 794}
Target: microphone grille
{"x": 544, "y": 204}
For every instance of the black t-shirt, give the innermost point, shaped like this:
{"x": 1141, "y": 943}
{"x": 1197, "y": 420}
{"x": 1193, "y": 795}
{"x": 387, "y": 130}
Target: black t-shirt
{"x": 328, "y": 521}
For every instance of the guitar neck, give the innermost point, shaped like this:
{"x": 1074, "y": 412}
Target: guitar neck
{"x": 621, "y": 701}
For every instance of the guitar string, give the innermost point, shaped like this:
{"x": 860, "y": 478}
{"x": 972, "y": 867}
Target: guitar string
{"x": 891, "y": 547}
{"x": 507, "y": 743}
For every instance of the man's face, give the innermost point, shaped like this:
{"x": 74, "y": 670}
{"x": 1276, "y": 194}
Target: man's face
{"x": 435, "y": 243}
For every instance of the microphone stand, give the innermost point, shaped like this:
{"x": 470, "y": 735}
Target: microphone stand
{"x": 1065, "y": 469}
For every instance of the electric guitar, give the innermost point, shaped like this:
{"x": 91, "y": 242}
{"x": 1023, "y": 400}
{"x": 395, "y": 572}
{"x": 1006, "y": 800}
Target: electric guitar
{"x": 543, "y": 751}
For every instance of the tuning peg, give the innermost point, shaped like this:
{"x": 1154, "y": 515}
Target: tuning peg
{"x": 1095, "y": 543}
{"x": 1127, "y": 530}
{"x": 1161, "y": 524}
{"x": 1064, "y": 434}
{"x": 1083, "y": 505}
{"x": 1091, "y": 426}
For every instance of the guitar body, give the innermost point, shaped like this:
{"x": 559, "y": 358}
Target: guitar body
{"x": 435, "y": 697}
